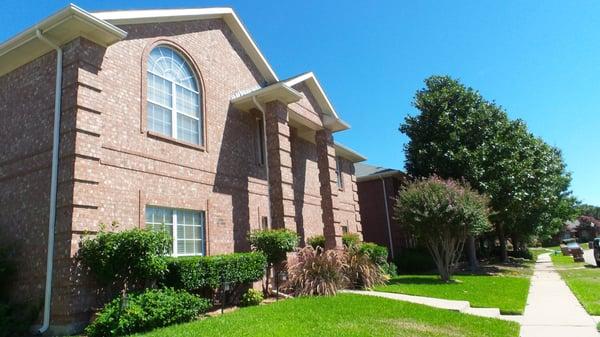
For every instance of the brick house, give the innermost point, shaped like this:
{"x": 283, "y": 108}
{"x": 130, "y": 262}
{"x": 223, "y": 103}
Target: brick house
{"x": 377, "y": 189}
{"x": 165, "y": 116}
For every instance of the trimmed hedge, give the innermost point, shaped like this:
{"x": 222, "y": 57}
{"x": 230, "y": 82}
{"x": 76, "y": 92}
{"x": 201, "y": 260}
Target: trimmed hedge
{"x": 151, "y": 309}
{"x": 198, "y": 273}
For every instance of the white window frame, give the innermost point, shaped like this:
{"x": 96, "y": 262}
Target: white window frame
{"x": 174, "y": 96}
{"x": 176, "y": 224}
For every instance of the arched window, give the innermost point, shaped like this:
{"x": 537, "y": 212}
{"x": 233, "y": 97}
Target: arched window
{"x": 173, "y": 96}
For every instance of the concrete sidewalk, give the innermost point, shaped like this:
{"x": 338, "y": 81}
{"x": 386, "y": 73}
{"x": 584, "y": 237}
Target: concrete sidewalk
{"x": 552, "y": 309}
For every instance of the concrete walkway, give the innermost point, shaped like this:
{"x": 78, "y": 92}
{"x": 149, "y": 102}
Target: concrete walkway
{"x": 461, "y": 306}
{"x": 552, "y": 310}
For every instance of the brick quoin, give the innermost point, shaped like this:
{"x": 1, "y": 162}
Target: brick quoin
{"x": 111, "y": 167}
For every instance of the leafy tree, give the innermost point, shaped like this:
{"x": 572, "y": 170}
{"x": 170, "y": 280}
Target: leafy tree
{"x": 589, "y": 210}
{"x": 458, "y": 134}
{"x": 441, "y": 214}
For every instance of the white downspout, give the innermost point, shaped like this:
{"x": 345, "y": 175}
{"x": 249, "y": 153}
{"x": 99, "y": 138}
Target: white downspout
{"x": 264, "y": 121}
{"x": 53, "y": 182}
{"x": 387, "y": 216}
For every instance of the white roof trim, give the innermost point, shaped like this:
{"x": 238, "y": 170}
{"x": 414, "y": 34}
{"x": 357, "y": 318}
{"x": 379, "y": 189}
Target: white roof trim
{"x": 346, "y": 152}
{"x": 173, "y": 15}
{"x": 334, "y": 122}
{"x": 60, "y": 27}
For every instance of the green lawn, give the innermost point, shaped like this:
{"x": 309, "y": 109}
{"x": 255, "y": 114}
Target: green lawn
{"x": 583, "y": 281}
{"x": 342, "y": 315}
{"x": 508, "y": 293}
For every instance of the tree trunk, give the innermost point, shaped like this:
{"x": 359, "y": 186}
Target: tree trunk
{"x": 472, "y": 253}
{"x": 502, "y": 238}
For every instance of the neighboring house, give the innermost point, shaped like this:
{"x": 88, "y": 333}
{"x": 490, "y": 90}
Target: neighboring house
{"x": 584, "y": 229}
{"x": 377, "y": 190}
{"x": 166, "y": 116}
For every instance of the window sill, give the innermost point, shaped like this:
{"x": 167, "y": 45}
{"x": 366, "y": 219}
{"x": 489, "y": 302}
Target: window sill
{"x": 175, "y": 141}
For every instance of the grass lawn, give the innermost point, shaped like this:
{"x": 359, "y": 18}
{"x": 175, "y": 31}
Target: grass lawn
{"x": 583, "y": 281}
{"x": 342, "y": 315}
{"x": 508, "y": 293}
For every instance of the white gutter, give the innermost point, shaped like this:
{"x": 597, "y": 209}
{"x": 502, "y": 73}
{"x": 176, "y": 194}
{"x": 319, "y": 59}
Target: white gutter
{"x": 53, "y": 181}
{"x": 264, "y": 121}
{"x": 387, "y": 216}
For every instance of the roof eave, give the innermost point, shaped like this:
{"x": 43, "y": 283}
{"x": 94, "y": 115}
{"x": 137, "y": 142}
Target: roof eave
{"x": 347, "y": 153}
{"x": 60, "y": 27}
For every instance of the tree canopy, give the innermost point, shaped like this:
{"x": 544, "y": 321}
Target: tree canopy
{"x": 459, "y": 134}
{"x": 441, "y": 214}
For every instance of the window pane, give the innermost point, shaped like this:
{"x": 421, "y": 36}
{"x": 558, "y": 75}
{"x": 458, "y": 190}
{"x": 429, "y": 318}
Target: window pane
{"x": 187, "y": 129}
{"x": 159, "y": 91}
{"x": 180, "y": 246}
{"x": 187, "y": 102}
{"x": 159, "y": 119}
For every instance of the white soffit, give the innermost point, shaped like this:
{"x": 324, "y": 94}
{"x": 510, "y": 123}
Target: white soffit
{"x": 60, "y": 27}
{"x": 173, "y": 15}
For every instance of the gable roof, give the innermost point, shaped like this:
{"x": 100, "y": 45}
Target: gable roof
{"x": 128, "y": 17}
{"x": 330, "y": 119}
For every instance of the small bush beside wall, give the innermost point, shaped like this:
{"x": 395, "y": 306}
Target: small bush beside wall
{"x": 201, "y": 273}
{"x": 350, "y": 239}
{"x": 316, "y": 241}
{"x": 151, "y": 309}
{"x": 251, "y": 297}
{"x": 131, "y": 258}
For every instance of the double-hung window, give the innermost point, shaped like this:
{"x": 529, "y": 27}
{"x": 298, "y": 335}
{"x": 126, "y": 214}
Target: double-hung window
{"x": 173, "y": 97}
{"x": 186, "y": 227}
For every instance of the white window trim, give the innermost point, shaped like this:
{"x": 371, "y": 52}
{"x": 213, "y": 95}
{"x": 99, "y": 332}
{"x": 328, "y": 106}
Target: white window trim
{"x": 175, "y": 224}
{"x": 174, "y": 111}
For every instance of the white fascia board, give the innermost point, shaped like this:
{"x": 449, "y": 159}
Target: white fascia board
{"x": 55, "y": 20}
{"x": 332, "y": 119}
{"x": 278, "y": 91}
{"x": 60, "y": 27}
{"x": 174, "y": 15}
{"x": 346, "y": 152}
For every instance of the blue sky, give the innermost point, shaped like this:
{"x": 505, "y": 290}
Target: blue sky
{"x": 538, "y": 59}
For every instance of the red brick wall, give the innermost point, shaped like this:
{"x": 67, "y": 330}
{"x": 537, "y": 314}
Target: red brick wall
{"x": 111, "y": 168}
{"x": 373, "y": 214}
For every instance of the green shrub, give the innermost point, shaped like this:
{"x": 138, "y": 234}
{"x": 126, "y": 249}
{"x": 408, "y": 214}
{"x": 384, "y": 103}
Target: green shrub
{"x": 350, "y": 239}
{"x": 151, "y": 309}
{"x": 197, "y": 273}
{"x": 130, "y": 257}
{"x": 316, "y": 241}
{"x": 415, "y": 260}
{"x": 274, "y": 243}
{"x": 390, "y": 269}
{"x": 378, "y": 254}
{"x": 251, "y": 297}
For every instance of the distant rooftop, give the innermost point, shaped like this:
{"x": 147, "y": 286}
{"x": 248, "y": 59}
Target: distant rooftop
{"x": 366, "y": 172}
